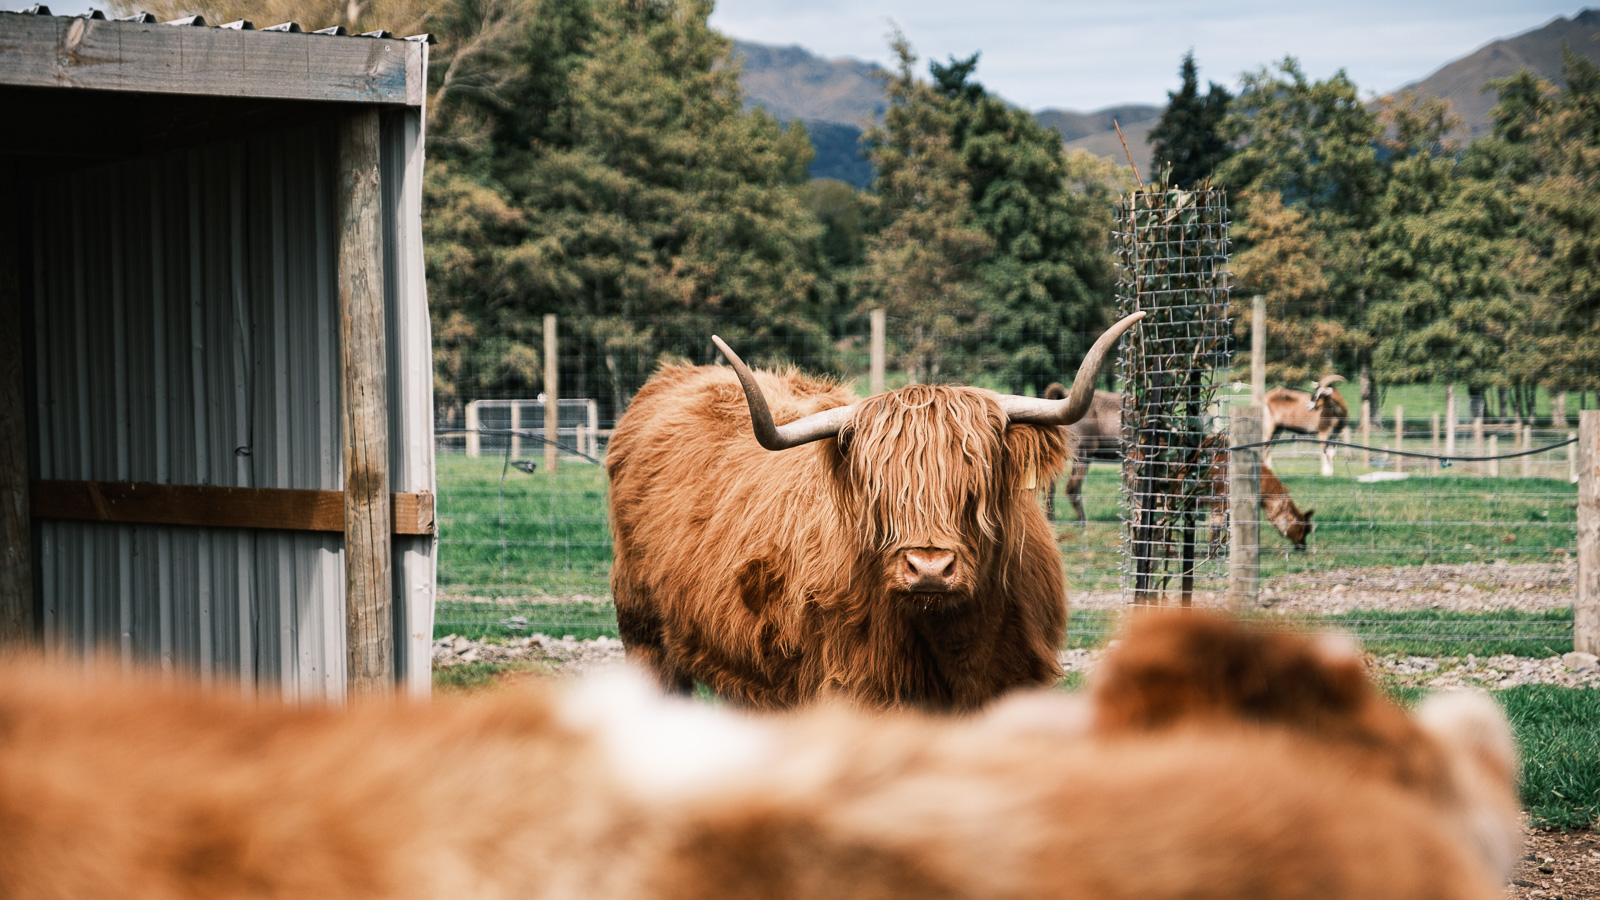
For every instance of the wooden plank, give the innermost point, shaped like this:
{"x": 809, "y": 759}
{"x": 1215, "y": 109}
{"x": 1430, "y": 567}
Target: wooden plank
{"x": 552, "y": 405}
{"x": 1244, "y": 510}
{"x": 47, "y": 51}
{"x": 17, "y": 625}
{"x": 210, "y": 506}
{"x": 369, "y": 576}
{"x": 1258, "y": 351}
{"x": 879, "y": 327}
{"x": 1586, "y": 611}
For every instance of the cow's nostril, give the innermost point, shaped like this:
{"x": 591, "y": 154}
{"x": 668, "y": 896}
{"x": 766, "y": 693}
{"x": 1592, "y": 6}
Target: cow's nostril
{"x": 932, "y": 564}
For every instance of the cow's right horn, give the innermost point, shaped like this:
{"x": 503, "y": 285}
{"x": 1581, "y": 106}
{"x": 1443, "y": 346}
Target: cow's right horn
{"x": 1036, "y": 411}
{"x": 1329, "y": 381}
{"x": 814, "y": 427}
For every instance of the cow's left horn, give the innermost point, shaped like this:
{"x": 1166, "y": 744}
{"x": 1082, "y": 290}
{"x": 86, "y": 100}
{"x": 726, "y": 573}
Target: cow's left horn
{"x": 1035, "y": 411}
{"x": 814, "y": 427}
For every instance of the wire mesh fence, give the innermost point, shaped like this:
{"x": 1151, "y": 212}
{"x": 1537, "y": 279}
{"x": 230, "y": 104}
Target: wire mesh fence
{"x": 1463, "y": 558}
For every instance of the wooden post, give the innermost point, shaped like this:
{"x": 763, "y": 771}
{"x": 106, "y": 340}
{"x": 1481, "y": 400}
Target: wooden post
{"x": 1477, "y": 442}
{"x": 594, "y": 428}
{"x": 1494, "y": 450}
{"x": 473, "y": 446}
{"x": 1366, "y": 432}
{"x": 1558, "y": 410}
{"x": 1527, "y": 444}
{"x": 1434, "y": 446}
{"x": 1258, "y": 350}
{"x": 552, "y": 405}
{"x": 369, "y": 619}
{"x": 1399, "y": 437}
{"x": 1586, "y": 628}
{"x": 17, "y": 625}
{"x": 1450, "y": 420}
{"x": 515, "y": 437}
{"x": 875, "y": 379}
{"x": 1244, "y": 505}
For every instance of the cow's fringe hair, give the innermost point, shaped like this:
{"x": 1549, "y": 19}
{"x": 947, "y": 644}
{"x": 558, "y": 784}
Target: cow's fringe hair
{"x": 898, "y": 493}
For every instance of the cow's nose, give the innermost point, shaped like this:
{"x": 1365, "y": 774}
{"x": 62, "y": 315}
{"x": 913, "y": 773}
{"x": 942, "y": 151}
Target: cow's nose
{"x": 929, "y": 569}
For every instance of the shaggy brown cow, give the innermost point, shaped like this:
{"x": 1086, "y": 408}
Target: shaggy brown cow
{"x": 893, "y": 552}
{"x": 112, "y": 788}
{"x": 1321, "y": 412}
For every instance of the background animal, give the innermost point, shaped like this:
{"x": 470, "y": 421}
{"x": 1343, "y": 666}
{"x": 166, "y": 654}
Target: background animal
{"x": 1276, "y": 504}
{"x": 127, "y": 788}
{"x": 1321, "y": 412}
{"x": 890, "y": 550}
{"x": 1096, "y": 436}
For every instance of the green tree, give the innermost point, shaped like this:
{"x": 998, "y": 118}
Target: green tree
{"x": 1189, "y": 139}
{"x": 1282, "y": 262}
{"x": 1315, "y": 145}
{"x": 1013, "y": 243}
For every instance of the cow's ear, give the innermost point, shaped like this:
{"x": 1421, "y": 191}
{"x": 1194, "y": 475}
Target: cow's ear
{"x": 1035, "y": 456}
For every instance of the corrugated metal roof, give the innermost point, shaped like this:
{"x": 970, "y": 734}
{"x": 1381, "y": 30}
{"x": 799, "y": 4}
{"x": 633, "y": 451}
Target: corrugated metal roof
{"x": 199, "y": 21}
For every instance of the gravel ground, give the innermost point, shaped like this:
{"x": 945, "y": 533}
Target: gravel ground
{"x": 1472, "y": 587}
{"x": 1558, "y": 866}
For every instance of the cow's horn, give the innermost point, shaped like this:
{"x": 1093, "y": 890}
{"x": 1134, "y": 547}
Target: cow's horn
{"x": 814, "y": 427}
{"x": 1329, "y": 381}
{"x": 1036, "y": 411}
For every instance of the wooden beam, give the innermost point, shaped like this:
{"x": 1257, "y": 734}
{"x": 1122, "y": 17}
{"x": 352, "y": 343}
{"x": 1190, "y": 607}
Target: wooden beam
{"x": 1244, "y": 509}
{"x": 552, "y": 403}
{"x": 209, "y": 506}
{"x": 1586, "y": 608}
{"x": 17, "y": 624}
{"x": 369, "y": 601}
{"x": 61, "y": 52}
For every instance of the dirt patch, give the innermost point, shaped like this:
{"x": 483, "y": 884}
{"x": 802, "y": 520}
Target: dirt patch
{"x": 1558, "y": 866}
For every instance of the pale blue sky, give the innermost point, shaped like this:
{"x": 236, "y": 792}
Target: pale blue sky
{"x": 1080, "y": 55}
{"x": 1076, "y": 54}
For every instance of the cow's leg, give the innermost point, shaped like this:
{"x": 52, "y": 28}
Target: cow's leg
{"x": 640, "y": 628}
{"x": 1327, "y": 459}
{"x": 1080, "y": 470}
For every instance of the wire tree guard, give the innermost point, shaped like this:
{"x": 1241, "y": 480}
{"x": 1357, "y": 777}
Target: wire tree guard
{"x": 1172, "y": 260}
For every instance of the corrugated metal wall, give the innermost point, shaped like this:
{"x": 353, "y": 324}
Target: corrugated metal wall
{"x": 186, "y": 332}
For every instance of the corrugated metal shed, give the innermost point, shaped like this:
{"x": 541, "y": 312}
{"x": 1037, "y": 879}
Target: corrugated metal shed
{"x": 179, "y": 297}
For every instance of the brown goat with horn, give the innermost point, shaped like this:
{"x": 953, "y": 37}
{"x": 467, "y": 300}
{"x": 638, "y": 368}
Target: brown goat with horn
{"x": 891, "y": 550}
{"x": 1096, "y": 436}
{"x": 1321, "y": 412}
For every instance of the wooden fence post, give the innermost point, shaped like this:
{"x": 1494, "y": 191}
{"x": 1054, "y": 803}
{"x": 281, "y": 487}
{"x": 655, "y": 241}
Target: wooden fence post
{"x": 515, "y": 437}
{"x": 474, "y": 448}
{"x": 1244, "y": 509}
{"x": 875, "y": 380}
{"x": 1586, "y": 627}
{"x": 1399, "y": 437}
{"x": 1434, "y": 446}
{"x": 1494, "y": 450}
{"x": 1366, "y": 432}
{"x": 1527, "y": 444}
{"x": 368, "y": 592}
{"x": 552, "y": 403}
{"x": 594, "y": 428}
{"x": 1258, "y": 351}
{"x": 1450, "y": 420}
{"x": 17, "y": 625}
{"x": 1477, "y": 443}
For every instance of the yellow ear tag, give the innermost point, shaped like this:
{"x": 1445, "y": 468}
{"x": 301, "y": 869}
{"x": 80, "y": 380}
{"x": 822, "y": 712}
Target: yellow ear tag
{"x": 1030, "y": 477}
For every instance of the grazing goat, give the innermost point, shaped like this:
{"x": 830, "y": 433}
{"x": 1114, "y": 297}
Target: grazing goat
{"x": 890, "y": 550}
{"x": 1321, "y": 412}
{"x": 1212, "y": 763}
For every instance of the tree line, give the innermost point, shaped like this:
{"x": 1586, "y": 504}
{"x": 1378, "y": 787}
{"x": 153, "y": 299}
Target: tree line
{"x": 595, "y": 159}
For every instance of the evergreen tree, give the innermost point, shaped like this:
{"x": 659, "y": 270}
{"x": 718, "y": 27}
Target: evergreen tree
{"x": 1188, "y": 140}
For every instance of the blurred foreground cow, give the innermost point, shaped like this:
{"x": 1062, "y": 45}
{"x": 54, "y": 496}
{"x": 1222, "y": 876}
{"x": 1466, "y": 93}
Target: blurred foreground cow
{"x": 1321, "y": 412}
{"x": 890, "y": 550}
{"x": 1203, "y": 769}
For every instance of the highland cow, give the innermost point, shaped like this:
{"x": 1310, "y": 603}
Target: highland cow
{"x": 890, "y": 550}
{"x": 1208, "y": 771}
{"x": 1321, "y": 412}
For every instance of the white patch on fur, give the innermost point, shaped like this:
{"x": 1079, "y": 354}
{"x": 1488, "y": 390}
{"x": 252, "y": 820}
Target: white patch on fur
{"x": 660, "y": 747}
{"x": 1043, "y": 712}
{"x": 1337, "y": 647}
{"x": 1483, "y": 752}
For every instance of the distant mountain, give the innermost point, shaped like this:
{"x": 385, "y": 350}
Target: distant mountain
{"x": 1538, "y": 50}
{"x": 1095, "y": 132}
{"x": 835, "y": 98}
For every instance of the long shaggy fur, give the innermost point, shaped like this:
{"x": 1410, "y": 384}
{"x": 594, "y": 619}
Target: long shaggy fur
{"x": 767, "y": 575}
{"x": 111, "y": 788}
